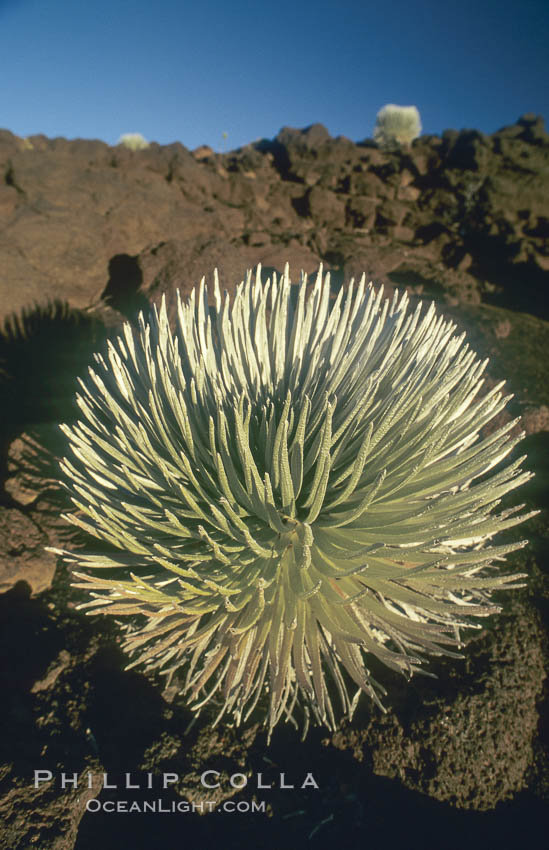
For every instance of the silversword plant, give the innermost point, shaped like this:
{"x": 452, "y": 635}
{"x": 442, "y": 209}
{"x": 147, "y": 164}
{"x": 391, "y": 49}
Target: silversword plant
{"x": 397, "y": 125}
{"x": 133, "y": 141}
{"x": 290, "y": 486}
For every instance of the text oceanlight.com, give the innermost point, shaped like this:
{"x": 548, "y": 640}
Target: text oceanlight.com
{"x": 174, "y": 807}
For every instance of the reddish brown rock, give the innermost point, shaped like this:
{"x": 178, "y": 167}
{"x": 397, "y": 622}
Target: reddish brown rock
{"x": 68, "y": 208}
{"x": 361, "y": 212}
{"x": 324, "y": 207}
{"x": 202, "y": 152}
{"x": 369, "y": 184}
{"x": 391, "y": 213}
{"x": 408, "y": 193}
{"x": 22, "y": 554}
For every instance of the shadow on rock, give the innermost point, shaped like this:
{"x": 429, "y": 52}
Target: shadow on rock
{"x": 122, "y": 289}
{"x": 42, "y": 350}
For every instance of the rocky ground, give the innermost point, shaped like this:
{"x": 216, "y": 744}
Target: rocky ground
{"x": 90, "y": 234}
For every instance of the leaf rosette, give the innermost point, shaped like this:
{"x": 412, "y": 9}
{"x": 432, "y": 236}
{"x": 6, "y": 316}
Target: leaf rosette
{"x": 289, "y": 485}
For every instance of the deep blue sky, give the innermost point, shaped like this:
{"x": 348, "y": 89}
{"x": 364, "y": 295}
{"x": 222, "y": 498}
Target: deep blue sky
{"x": 190, "y": 70}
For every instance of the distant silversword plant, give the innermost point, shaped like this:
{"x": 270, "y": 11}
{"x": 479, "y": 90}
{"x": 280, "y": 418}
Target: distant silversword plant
{"x": 133, "y": 141}
{"x": 290, "y": 485}
{"x": 397, "y": 125}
